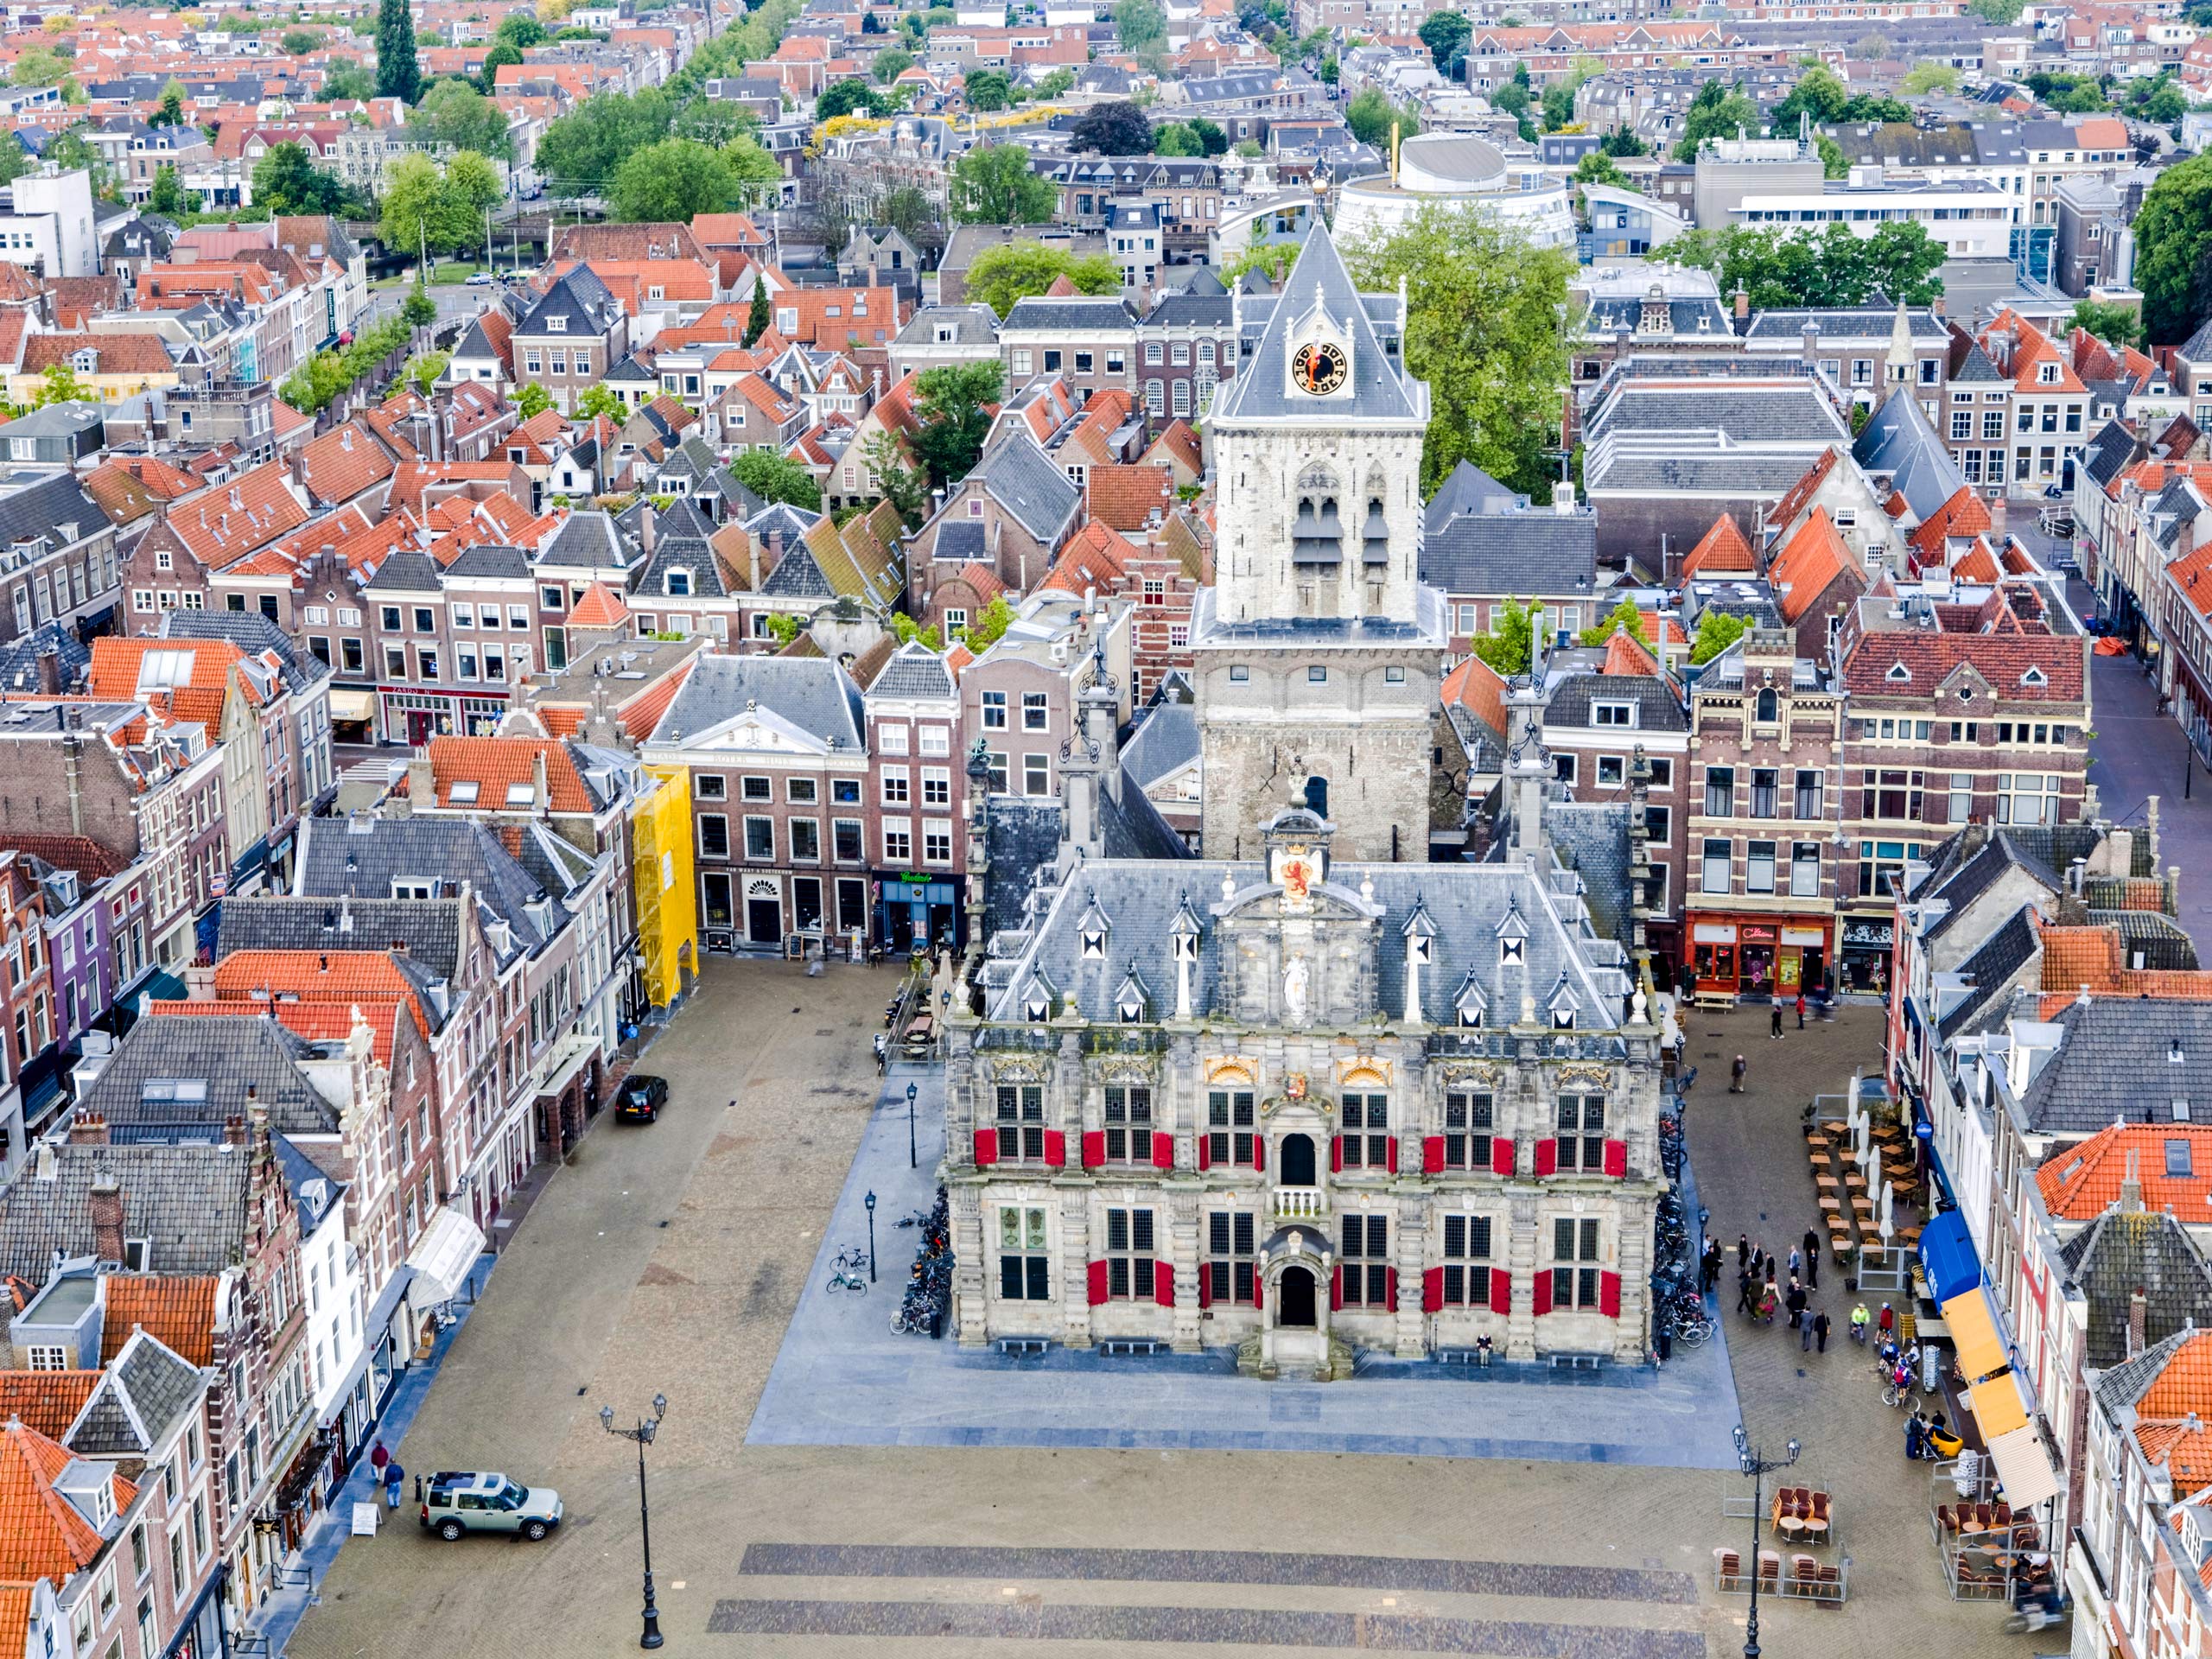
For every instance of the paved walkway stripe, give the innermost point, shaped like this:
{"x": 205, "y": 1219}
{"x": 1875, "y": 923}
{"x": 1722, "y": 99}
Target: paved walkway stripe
{"x": 1220, "y": 1567}
{"x": 1250, "y": 1626}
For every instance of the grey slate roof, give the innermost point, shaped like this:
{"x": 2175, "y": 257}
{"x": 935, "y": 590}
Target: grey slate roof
{"x": 488, "y": 562}
{"x": 1130, "y": 826}
{"x": 1165, "y": 741}
{"x": 689, "y": 554}
{"x": 249, "y": 630}
{"x": 1975, "y": 368}
{"x": 914, "y": 671}
{"x": 588, "y": 541}
{"x": 959, "y": 541}
{"x": 429, "y": 928}
{"x": 1960, "y": 886}
{"x": 2113, "y": 1064}
{"x": 362, "y": 856}
{"x": 2118, "y": 1254}
{"x": 19, "y": 660}
{"x": 1380, "y": 389}
{"x": 2162, "y": 941}
{"x": 1078, "y": 313}
{"x": 1897, "y": 440}
{"x": 1022, "y": 479}
{"x": 1590, "y": 838}
{"x": 1870, "y": 322}
{"x": 2109, "y": 453}
{"x": 1991, "y": 968}
{"x": 813, "y": 693}
{"x": 2125, "y": 1383}
{"x": 137, "y": 1402}
{"x": 189, "y": 1201}
{"x": 406, "y": 570}
{"x": 35, "y": 512}
{"x": 138, "y": 1093}
{"x": 1658, "y": 706}
{"x": 972, "y": 325}
{"x": 1509, "y": 548}
{"x": 577, "y": 296}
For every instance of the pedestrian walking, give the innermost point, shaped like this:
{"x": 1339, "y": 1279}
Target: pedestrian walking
{"x": 1916, "y": 1434}
{"x": 1744, "y": 1303}
{"x": 1796, "y": 1263}
{"x": 1758, "y": 1260}
{"x": 1794, "y": 1301}
{"x": 393, "y": 1475}
{"x": 1886, "y": 1322}
{"x": 1777, "y": 1031}
{"x": 1804, "y": 1336}
{"x": 1812, "y": 1260}
{"x": 1770, "y": 1265}
{"x": 1708, "y": 1271}
{"x": 1742, "y": 1250}
{"x": 1860, "y": 1318}
{"x": 1800, "y": 1009}
{"x": 1736, "y": 1076}
{"x": 1820, "y": 1328}
{"x": 378, "y": 1458}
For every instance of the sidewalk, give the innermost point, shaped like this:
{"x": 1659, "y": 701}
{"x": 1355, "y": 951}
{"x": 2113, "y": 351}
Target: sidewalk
{"x": 280, "y": 1614}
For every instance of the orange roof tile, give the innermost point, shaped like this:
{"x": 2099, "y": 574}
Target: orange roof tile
{"x": 1096, "y": 557}
{"x": 1476, "y": 685}
{"x": 2083, "y": 1181}
{"x": 1808, "y": 563}
{"x": 560, "y": 719}
{"x": 2182, "y": 1448}
{"x": 642, "y": 713}
{"x": 495, "y": 763}
{"x": 600, "y": 608}
{"x": 1626, "y": 654}
{"x": 117, "y": 663}
{"x": 251, "y": 977}
{"x": 319, "y": 1022}
{"x": 42, "y": 1534}
{"x": 176, "y": 1311}
{"x": 1127, "y": 497}
{"x": 1800, "y": 494}
{"x": 2185, "y": 1384}
{"x": 1963, "y": 516}
{"x": 45, "y": 1401}
{"x": 1723, "y": 550}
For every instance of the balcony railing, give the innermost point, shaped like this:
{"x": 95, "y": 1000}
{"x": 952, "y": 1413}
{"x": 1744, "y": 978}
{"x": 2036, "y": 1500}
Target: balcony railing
{"x": 1301, "y": 1203}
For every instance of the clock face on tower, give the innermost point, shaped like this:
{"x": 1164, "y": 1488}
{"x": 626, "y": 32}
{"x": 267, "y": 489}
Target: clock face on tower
{"x": 1319, "y": 368}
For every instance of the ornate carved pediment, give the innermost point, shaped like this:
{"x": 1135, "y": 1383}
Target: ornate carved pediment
{"x": 1019, "y": 1069}
{"x": 1595, "y": 1076}
{"x": 1460, "y": 1074}
{"x": 1130, "y": 1068}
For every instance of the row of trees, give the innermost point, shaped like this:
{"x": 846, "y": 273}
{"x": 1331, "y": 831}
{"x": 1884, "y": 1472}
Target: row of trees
{"x": 318, "y": 383}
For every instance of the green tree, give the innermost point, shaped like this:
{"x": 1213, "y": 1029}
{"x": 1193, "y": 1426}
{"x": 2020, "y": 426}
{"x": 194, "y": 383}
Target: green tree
{"x": 420, "y": 213}
{"x": 1830, "y": 267}
{"x": 398, "y": 75}
{"x": 453, "y": 112}
{"x": 1328, "y": 70}
{"x": 348, "y": 83}
{"x": 771, "y": 478}
{"x": 424, "y": 373}
{"x": 580, "y": 150}
{"x": 988, "y": 90}
{"x": 418, "y": 309}
{"x": 1274, "y": 259}
{"x": 1057, "y": 83}
{"x": 891, "y": 63}
{"x": 1119, "y": 128}
{"x": 994, "y": 184}
{"x": 1445, "y": 35}
{"x": 1866, "y": 106}
{"x": 2068, "y": 94}
{"x": 1621, "y": 141}
{"x": 532, "y": 400}
{"x": 497, "y": 58}
{"x": 1370, "y": 116}
{"x": 847, "y": 98}
{"x": 519, "y": 30}
{"x": 674, "y": 180}
{"x": 1925, "y": 78}
{"x": 474, "y": 183}
{"x": 1482, "y": 328}
{"x": 286, "y": 181}
{"x": 1140, "y": 26}
{"x": 40, "y": 66}
{"x": 1717, "y": 112}
{"x": 907, "y": 631}
{"x": 1625, "y": 615}
{"x": 60, "y": 385}
{"x": 167, "y": 197}
{"x": 757, "y": 315}
{"x": 171, "y": 113}
{"x": 298, "y": 42}
{"x": 952, "y": 418}
{"x": 1505, "y": 647}
{"x": 1997, "y": 11}
{"x": 1820, "y": 92}
{"x": 1250, "y": 148}
{"x": 749, "y": 163}
{"x": 600, "y": 399}
{"x": 1212, "y": 141}
{"x": 2173, "y": 257}
{"x": 783, "y": 627}
{"x": 1175, "y": 139}
{"x": 1558, "y": 105}
{"x": 1597, "y": 168}
{"x": 989, "y": 626}
{"x": 1015, "y": 270}
{"x": 2116, "y": 324}
{"x": 1835, "y": 164}
{"x": 906, "y": 488}
{"x": 1716, "y": 632}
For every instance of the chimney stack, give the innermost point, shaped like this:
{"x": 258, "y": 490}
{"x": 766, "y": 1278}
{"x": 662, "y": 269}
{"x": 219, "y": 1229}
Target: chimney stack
{"x": 88, "y": 1129}
{"x": 106, "y": 1200}
{"x": 2139, "y": 1313}
{"x": 49, "y": 671}
{"x": 234, "y": 1130}
{"x": 2131, "y": 1185}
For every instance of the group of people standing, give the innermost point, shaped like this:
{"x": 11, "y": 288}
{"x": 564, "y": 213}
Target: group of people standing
{"x": 1761, "y": 1290}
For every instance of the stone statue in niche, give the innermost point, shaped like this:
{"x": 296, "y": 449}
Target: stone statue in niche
{"x": 1294, "y": 987}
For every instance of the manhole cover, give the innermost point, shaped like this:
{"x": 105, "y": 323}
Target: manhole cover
{"x": 826, "y": 1031}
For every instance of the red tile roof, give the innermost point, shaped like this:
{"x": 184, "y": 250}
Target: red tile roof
{"x": 45, "y": 1401}
{"x": 250, "y": 511}
{"x": 1800, "y": 494}
{"x": 495, "y": 763}
{"x": 1475, "y": 685}
{"x": 1808, "y": 562}
{"x": 1127, "y": 497}
{"x": 42, "y": 1534}
{"x": 1722, "y": 550}
{"x": 2185, "y": 1384}
{"x": 600, "y": 608}
{"x": 177, "y": 1310}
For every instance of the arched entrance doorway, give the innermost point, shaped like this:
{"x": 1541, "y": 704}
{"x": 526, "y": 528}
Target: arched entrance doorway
{"x": 1298, "y": 1161}
{"x": 1295, "y": 1299}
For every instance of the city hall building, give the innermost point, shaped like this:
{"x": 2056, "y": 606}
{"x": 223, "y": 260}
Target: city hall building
{"x": 1295, "y": 1097}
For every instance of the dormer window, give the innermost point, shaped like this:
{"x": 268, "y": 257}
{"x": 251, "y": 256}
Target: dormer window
{"x": 2047, "y": 373}
{"x": 679, "y": 584}
{"x": 557, "y": 325}
{"x": 1768, "y": 709}
{"x": 1094, "y": 944}
{"x": 2034, "y": 677}
{"x": 1898, "y": 673}
{"x": 1612, "y": 713}
{"x": 1036, "y": 1008}
{"x": 1562, "y": 1018}
{"x": 1512, "y": 952}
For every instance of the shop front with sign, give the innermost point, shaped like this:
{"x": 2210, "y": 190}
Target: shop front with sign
{"x": 1759, "y": 955}
{"x": 1866, "y": 943}
{"x": 915, "y": 909}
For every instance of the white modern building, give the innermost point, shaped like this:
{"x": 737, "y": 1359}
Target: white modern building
{"x": 1969, "y": 219}
{"x": 45, "y": 223}
{"x": 1456, "y": 169}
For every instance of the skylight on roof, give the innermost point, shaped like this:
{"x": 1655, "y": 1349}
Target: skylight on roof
{"x": 162, "y": 671}
{"x": 521, "y": 794}
{"x": 462, "y": 794}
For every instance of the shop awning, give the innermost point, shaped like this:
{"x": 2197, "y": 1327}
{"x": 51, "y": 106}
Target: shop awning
{"x": 1973, "y": 1332}
{"x": 352, "y": 705}
{"x": 442, "y": 1257}
{"x": 1947, "y": 1256}
{"x": 2024, "y": 1466}
{"x": 1997, "y": 1407}
{"x": 567, "y": 1058}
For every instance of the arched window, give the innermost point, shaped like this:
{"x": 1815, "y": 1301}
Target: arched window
{"x": 1770, "y": 706}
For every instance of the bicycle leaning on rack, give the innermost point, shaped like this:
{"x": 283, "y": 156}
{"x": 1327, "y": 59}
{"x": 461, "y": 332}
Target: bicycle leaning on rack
{"x": 846, "y": 1278}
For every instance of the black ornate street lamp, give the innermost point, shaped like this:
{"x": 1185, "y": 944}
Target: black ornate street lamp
{"x": 1757, "y": 1468}
{"x": 870, "y": 1202}
{"x": 643, "y": 1434}
{"x": 913, "y": 1162}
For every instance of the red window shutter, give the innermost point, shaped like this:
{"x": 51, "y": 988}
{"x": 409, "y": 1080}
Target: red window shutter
{"x": 987, "y": 1148}
{"x": 1547, "y": 1157}
{"x": 1501, "y": 1156}
{"x": 1259, "y": 1152}
{"x": 1543, "y": 1291}
{"x": 1609, "y": 1294}
{"x": 1206, "y": 1150}
{"x": 1336, "y": 1153}
{"x": 1163, "y": 1150}
{"x": 1259, "y": 1290}
{"x": 1501, "y": 1291}
{"x": 1393, "y": 1154}
{"x": 1163, "y": 1283}
{"x": 1337, "y": 1286}
{"x": 1390, "y": 1288}
{"x": 1432, "y": 1155}
{"x": 1206, "y": 1284}
{"x": 1094, "y": 1149}
{"x": 1097, "y": 1283}
{"x": 1431, "y": 1291}
{"x": 1056, "y": 1148}
{"x": 1616, "y": 1157}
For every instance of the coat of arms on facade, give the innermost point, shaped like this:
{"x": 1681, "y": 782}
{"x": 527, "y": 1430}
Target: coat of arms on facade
{"x": 1296, "y": 871}
{"x": 1294, "y": 1085}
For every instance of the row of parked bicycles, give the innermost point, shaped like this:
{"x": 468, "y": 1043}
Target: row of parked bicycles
{"x": 1678, "y": 1309}
{"x": 926, "y": 1308}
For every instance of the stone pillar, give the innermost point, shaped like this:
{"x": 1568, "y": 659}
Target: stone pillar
{"x": 1633, "y": 1332}
{"x": 970, "y": 1303}
{"x": 1067, "y": 1101}
{"x": 1411, "y": 1256}
{"x": 1180, "y": 1101}
{"x": 1184, "y": 1251}
{"x": 1075, "y": 1263}
{"x": 960, "y": 1096}
{"x": 1520, "y": 1324}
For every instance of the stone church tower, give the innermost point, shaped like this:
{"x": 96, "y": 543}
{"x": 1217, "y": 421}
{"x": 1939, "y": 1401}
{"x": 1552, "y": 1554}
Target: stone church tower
{"x": 1317, "y": 652}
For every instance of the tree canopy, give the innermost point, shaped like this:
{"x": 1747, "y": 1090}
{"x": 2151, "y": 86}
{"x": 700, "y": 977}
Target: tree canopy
{"x": 988, "y": 90}
{"x": 453, "y": 112}
{"x": 2116, "y": 324}
{"x": 1370, "y": 114}
{"x": 1717, "y": 112}
{"x": 440, "y": 208}
{"x": 1482, "y": 328}
{"x": 996, "y": 185}
{"x": 398, "y": 76}
{"x": 673, "y": 180}
{"x": 1505, "y": 647}
{"x": 1445, "y": 35}
{"x": 847, "y": 98}
{"x": 286, "y": 181}
{"x": 773, "y": 478}
{"x": 1118, "y": 128}
{"x": 1716, "y": 632}
{"x": 2173, "y": 251}
{"x": 580, "y": 150}
{"x": 1015, "y": 270}
{"x": 952, "y": 418}
{"x": 1831, "y": 267}
{"x": 1140, "y": 26}
{"x": 1925, "y": 78}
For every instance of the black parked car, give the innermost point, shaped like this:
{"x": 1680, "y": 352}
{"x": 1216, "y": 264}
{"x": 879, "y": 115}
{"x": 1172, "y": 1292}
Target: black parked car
{"x": 642, "y": 1099}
